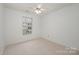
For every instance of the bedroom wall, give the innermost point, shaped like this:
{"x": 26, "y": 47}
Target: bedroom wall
{"x": 62, "y": 26}
{"x": 13, "y": 19}
{"x": 1, "y": 30}
{"x": 59, "y": 26}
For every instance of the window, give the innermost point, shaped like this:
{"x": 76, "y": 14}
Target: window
{"x": 27, "y": 25}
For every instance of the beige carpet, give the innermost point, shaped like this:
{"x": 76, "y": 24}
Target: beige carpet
{"x": 38, "y": 47}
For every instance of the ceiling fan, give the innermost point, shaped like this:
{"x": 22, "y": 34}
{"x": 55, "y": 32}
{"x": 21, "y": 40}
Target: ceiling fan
{"x": 38, "y": 10}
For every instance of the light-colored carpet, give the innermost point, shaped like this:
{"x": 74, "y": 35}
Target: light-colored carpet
{"x": 38, "y": 47}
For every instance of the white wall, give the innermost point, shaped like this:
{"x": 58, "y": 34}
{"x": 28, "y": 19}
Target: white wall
{"x": 1, "y": 30}
{"x": 14, "y": 26}
{"x": 63, "y": 26}
{"x": 59, "y": 26}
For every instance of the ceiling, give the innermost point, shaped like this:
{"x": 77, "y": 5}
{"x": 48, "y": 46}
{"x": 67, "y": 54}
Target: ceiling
{"x": 30, "y": 6}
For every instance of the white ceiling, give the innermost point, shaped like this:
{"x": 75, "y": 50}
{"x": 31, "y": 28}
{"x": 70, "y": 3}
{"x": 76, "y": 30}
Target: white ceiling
{"x": 29, "y": 6}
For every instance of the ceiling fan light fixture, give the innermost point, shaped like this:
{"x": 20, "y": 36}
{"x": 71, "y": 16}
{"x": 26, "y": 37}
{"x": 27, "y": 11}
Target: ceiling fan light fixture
{"x": 38, "y": 9}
